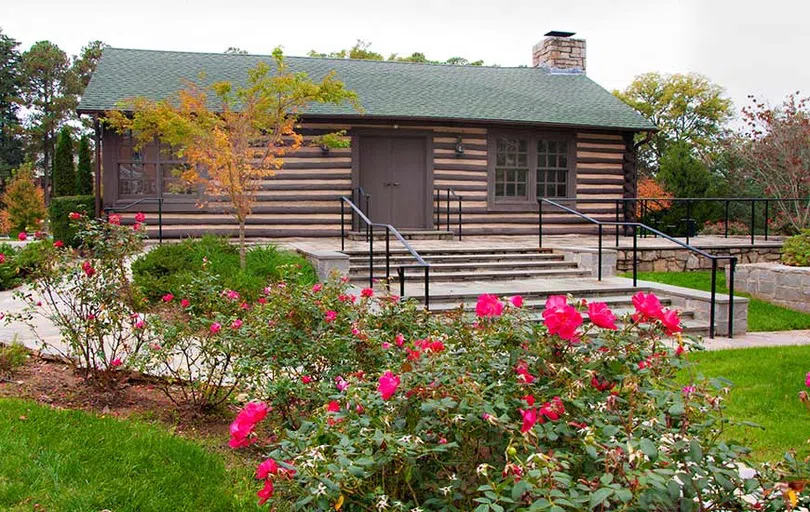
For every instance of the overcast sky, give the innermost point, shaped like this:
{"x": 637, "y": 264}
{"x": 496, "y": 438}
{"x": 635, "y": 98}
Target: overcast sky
{"x": 748, "y": 47}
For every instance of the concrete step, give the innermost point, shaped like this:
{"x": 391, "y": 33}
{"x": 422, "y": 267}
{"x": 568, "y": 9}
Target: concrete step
{"x": 418, "y": 275}
{"x": 459, "y": 258}
{"x": 475, "y": 266}
{"x": 446, "y": 251}
{"x": 407, "y": 234}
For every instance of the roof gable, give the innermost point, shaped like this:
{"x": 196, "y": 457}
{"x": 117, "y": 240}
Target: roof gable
{"x": 397, "y": 90}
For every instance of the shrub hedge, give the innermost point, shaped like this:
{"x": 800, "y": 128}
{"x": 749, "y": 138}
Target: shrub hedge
{"x": 796, "y": 250}
{"x": 60, "y": 208}
{"x": 167, "y": 268}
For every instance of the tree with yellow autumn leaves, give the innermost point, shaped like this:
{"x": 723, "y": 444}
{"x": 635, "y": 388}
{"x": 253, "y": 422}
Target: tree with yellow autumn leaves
{"x": 232, "y": 148}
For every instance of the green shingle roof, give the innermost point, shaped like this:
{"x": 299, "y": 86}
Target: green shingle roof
{"x": 393, "y": 90}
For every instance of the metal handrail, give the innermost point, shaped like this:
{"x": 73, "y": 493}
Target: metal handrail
{"x": 636, "y": 226}
{"x": 450, "y": 191}
{"x": 362, "y": 197}
{"x": 144, "y": 200}
{"x": 389, "y": 230}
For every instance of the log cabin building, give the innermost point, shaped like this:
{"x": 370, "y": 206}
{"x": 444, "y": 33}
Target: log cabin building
{"x": 498, "y": 137}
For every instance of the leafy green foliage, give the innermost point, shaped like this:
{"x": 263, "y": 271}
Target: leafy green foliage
{"x": 72, "y": 460}
{"x": 167, "y": 268}
{"x": 11, "y": 144}
{"x": 12, "y": 356}
{"x": 84, "y": 170}
{"x": 362, "y": 51}
{"x": 64, "y": 169}
{"x": 377, "y": 403}
{"x": 20, "y": 262}
{"x": 58, "y": 211}
{"x": 796, "y": 250}
{"x": 687, "y": 108}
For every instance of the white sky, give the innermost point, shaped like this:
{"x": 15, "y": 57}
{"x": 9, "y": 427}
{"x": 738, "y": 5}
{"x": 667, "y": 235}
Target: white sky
{"x": 748, "y": 47}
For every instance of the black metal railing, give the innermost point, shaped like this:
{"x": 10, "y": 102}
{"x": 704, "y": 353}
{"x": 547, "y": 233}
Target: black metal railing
{"x": 445, "y": 196}
{"x": 145, "y": 200}
{"x": 362, "y": 218}
{"x": 757, "y": 220}
{"x": 635, "y": 227}
{"x": 359, "y": 196}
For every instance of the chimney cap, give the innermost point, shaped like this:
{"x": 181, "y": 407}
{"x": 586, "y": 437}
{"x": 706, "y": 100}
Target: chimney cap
{"x": 559, "y": 33}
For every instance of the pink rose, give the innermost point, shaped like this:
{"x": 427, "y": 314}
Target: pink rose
{"x": 367, "y": 293}
{"x": 266, "y": 492}
{"x": 236, "y": 324}
{"x": 317, "y": 287}
{"x": 74, "y": 216}
{"x": 22, "y": 236}
{"x": 601, "y": 316}
{"x": 185, "y": 303}
{"x": 647, "y": 306}
{"x": 242, "y": 427}
{"x": 114, "y": 219}
{"x": 140, "y": 217}
{"x": 387, "y": 385}
{"x": 530, "y": 418}
{"x": 59, "y": 244}
{"x": 266, "y": 468}
{"x": 671, "y": 321}
{"x": 88, "y": 269}
{"x": 215, "y": 327}
{"x": 115, "y": 363}
{"x": 488, "y": 306}
{"x": 330, "y": 316}
{"x": 168, "y": 297}
{"x": 517, "y": 301}
{"x": 561, "y": 318}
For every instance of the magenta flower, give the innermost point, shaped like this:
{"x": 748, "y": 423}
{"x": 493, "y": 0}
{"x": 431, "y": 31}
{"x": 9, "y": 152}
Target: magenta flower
{"x": 517, "y": 301}
{"x": 330, "y": 316}
{"x": 59, "y": 244}
{"x": 22, "y": 237}
{"x": 400, "y": 340}
{"x": 88, "y": 269}
{"x": 387, "y": 385}
{"x": 236, "y": 324}
{"x": 114, "y": 219}
{"x": 489, "y": 305}
{"x": 367, "y": 293}
{"x": 688, "y": 390}
{"x": 185, "y": 303}
{"x": 807, "y": 380}
{"x": 266, "y": 468}
{"x": 647, "y": 306}
{"x": 115, "y": 363}
{"x": 530, "y": 418}
{"x": 561, "y": 318}
{"x": 168, "y": 297}
{"x": 671, "y": 321}
{"x": 215, "y": 327}
{"x": 242, "y": 427}
{"x": 74, "y": 216}
{"x": 266, "y": 492}
{"x": 601, "y": 315}
{"x": 317, "y": 287}
{"x": 341, "y": 384}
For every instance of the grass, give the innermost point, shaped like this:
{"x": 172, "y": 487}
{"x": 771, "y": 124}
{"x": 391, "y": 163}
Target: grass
{"x": 74, "y": 461}
{"x": 766, "y": 382}
{"x": 762, "y": 315}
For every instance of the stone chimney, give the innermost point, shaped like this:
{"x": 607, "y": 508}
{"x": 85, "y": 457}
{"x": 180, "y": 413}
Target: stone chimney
{"x": 560, "y": 53}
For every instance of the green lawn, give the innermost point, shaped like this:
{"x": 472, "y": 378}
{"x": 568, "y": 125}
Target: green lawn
{"x": 75, "y": 461}
{"x": 767, "y": 382}
{"x": 762, "y": 315}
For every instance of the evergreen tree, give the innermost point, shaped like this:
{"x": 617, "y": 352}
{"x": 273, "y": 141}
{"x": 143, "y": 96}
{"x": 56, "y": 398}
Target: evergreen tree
{"x": 46, "y": 90}
{"x": 84, "y": 172}
{"x": 11, "y": 149}
{"x": 25, "y": 203}
{"x": 64, "y": 171}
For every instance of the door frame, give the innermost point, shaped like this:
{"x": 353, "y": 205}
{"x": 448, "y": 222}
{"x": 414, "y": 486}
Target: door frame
{"x": 427, "y": 136}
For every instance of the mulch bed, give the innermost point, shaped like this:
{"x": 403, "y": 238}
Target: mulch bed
{"x": 55, "y": 383}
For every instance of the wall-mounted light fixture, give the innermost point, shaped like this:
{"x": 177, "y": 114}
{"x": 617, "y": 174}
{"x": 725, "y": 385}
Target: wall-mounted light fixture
{"x": 459, "y": 147}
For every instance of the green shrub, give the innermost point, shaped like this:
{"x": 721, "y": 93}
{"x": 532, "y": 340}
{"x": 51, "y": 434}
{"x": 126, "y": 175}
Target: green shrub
{"x": 58, "y": 212}
{"x": 12, "y": 356}
{"x": 796, "y": 250}
{"x": 167, "y": 268}
{"x": 20, "y": 262}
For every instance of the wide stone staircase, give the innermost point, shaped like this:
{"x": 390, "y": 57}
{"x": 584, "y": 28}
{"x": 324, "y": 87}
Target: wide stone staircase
{"x": 459, "y": 275}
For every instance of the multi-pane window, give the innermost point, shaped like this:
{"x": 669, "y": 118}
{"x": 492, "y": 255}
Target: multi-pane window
{"x": 512, "y": 168}
{"x": 528, "y": 166}
{"x": 137, "y": 169}
{"x": 149, "y": 171}
{"x": 552, "y": 168}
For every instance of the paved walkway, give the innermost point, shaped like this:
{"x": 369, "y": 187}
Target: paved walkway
{"x": 759, "y": 339}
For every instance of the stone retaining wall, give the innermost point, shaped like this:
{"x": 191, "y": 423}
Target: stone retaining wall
{"x": 777, "y": 283}
{"x": 679, "y": 260}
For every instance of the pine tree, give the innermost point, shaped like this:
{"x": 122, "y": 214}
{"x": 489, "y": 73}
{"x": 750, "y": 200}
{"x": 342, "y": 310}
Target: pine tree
{"x": 84, "y": 172}
{"x": 64, "y": 171}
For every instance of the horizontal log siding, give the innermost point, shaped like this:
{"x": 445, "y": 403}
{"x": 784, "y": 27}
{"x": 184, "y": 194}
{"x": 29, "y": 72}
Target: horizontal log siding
{"x": 302, "y": 199}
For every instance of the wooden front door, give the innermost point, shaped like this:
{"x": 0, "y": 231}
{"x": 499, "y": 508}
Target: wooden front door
{"x": 393, "y": 170}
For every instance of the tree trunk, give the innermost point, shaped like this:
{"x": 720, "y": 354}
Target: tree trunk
{"x": 242, "y": 251}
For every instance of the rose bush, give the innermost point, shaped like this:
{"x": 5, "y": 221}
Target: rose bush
{"x": 87, "y": 294}
{"x": 382, "y": 406}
